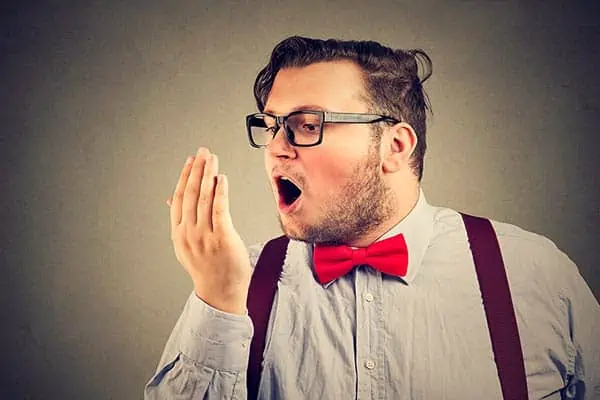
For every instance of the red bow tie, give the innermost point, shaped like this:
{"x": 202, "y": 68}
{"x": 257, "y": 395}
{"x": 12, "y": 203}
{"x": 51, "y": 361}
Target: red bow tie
{"x": 389, "y": 256}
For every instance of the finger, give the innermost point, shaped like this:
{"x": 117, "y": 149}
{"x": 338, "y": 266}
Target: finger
{"x": 169, "y": 201}
{"x": 221, "y": 216}
{"x": 192, "y": 187}
{"x": 177, "y": 198}
{"x": 207, "y": 192}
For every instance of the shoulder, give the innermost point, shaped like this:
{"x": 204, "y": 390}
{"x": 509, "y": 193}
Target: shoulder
{"x": 529, "y": 258}
{"x": 256, "y": 249}
{"x": 449, "y": 221}
{"x": 534, "y": 257}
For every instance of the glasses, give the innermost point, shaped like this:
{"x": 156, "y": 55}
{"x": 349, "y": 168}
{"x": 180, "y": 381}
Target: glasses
{"x": 302, "y": 128}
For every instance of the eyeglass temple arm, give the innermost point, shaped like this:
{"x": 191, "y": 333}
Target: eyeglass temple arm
{"x": 352, "y": 118}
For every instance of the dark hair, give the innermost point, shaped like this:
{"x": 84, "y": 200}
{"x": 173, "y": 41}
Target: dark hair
{"x": 392, "y": 80}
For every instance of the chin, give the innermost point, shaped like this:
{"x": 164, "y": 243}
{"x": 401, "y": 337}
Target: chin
{"x": 290, "y": 229}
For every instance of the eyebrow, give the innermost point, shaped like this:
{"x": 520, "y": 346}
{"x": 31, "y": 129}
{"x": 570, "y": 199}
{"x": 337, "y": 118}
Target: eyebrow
{"x": 308, "y": 107}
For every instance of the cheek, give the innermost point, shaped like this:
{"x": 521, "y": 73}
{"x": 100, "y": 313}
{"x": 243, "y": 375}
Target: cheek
{"x": 344, "y": 150}
{"x": 268, "y": 163}
{"x": 331, "y": 177}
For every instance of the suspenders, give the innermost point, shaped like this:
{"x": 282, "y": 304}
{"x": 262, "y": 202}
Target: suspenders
{"x": 495, "y": 293}
{"x": 497, "y": 302}
{"x": 261, "y": 293}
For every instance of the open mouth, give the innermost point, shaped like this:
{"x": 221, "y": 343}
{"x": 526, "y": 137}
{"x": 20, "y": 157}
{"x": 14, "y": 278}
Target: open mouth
{"x": 289, "y": 192}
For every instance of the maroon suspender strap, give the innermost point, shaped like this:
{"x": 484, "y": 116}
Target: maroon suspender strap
{"x": 261, "y": 294}
{"x": 499, "y": 311}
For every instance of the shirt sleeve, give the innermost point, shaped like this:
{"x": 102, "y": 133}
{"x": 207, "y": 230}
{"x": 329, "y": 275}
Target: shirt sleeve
{"x": 583, "y": 314}
{"x": 206, "y": 356}
{"x": 557, "y": 314}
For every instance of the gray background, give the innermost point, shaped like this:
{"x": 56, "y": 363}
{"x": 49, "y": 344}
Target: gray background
{"x": 103, "y": 101}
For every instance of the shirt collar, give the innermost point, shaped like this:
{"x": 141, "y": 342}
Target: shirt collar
{"x": 417, "y": 228}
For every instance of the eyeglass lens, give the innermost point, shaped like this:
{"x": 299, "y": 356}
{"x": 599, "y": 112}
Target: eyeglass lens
{"x": 301, "y": 128}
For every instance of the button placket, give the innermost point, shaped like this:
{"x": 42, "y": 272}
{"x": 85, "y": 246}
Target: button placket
{"x": 363, "y": 332}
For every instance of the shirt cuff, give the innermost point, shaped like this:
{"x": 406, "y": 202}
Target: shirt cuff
{"x": 213, "y": 338}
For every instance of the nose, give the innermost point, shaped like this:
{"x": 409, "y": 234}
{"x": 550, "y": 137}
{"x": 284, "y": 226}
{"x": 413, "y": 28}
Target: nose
{"x": 279, "y": 146}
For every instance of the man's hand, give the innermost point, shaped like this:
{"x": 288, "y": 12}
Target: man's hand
{"x": 204, "y": 239}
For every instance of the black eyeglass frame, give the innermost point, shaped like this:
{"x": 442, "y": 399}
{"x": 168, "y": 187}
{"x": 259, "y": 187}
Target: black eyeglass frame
{"x": 325, "y": 117}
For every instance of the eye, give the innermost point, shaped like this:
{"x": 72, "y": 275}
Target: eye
{"x": 273, "y": 129}
{"x": 309, "y": 127}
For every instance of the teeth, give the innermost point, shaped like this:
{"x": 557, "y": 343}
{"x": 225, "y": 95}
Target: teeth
{"x": 288, "y": 180}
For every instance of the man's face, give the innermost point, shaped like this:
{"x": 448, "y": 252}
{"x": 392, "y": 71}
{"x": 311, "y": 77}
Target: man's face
{"x": 342, "y": 194}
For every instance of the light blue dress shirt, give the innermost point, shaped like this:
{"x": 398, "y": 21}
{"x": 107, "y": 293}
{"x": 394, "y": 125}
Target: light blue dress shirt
{"x": 373, "y": 336}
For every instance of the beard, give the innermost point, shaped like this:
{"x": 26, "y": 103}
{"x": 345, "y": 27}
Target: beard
{"x": 363, "y": 204}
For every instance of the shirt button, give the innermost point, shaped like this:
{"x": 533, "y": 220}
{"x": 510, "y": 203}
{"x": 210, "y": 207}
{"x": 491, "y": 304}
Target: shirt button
{"x": 369, "y": 364}
{"x": 368, "y": 297}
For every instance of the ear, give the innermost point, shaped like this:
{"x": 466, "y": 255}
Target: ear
{"x": 397, "y": 145}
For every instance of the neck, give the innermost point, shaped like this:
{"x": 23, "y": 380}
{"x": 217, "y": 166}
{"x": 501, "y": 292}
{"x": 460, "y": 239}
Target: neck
{"x": 404, "y": 204}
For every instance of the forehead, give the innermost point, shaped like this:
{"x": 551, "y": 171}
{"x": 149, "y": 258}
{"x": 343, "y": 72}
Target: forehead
{"x": 332, "y": 85}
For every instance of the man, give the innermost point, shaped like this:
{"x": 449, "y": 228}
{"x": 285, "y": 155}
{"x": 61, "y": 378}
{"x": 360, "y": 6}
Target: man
{"x": 343, "y": 130}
